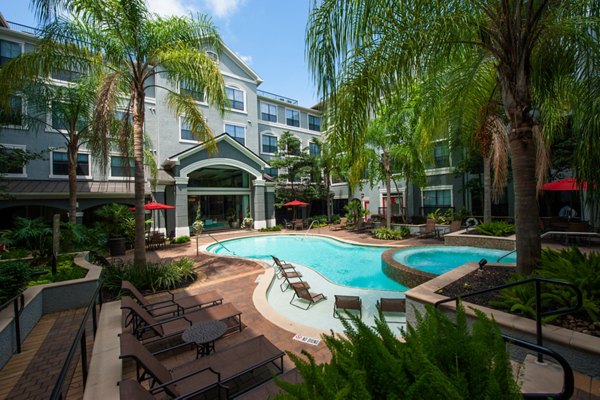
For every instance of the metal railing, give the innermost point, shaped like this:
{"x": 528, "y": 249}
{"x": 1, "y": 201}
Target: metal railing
{"x": 24, "y": 28}
{"x": 310, "y": 226}
{"x": 506, "y": 255}
{"x": 221, "y": 244}
{"x": 18, "y": 303}
{"x": 538, "y": 325}
{"x": 276, "y": 97}
{"x": 80, "y": 340}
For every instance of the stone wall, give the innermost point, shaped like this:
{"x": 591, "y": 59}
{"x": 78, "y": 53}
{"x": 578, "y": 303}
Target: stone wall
{"x": 492, "y": 242}
{"x": 401, "y": 273}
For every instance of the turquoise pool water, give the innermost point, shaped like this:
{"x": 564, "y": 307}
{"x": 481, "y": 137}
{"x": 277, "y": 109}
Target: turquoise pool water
{"x": 441, "y": 259}
{"x": 342, "y": 263}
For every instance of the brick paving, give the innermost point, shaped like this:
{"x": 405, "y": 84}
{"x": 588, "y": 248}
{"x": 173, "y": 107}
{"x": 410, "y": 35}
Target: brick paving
{"x": 32, "y": 374}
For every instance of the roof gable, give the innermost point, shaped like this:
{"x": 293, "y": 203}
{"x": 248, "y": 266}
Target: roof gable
{"x": 224, "y": 137}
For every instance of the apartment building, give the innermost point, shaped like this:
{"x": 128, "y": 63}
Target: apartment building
{"x": 228, "y": 185}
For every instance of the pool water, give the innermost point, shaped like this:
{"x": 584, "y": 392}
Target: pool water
{"x": 341, "y": 263}
{"x": 440, "y": 259}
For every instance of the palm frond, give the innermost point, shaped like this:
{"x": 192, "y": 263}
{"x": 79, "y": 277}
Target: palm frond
{"x": 186, "y": 107}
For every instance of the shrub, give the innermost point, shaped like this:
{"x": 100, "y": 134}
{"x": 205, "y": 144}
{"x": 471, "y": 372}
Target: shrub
{"x": 152, "y": 276}
{"x": 78, "y": 237}
{"x": 440, "y": 217}
{"x": 336, "y": 219}
{"x": 181, "y": 239}
{"x": 66, "y": 270}
{"x": 275, "y": 228}
{"x": 32, "y": 234}
{"x": 440, "y": 359}
{"x": 582, "y": 270}
{"x": 495, "y": 228}
{"x": 14, "y": 253}
{"x": 13, "y": 278}
{"x": 322, "y": 219}
{"x": 391, "y": 234}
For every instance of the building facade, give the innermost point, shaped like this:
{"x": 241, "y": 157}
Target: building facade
{"x": 228, "y": 185}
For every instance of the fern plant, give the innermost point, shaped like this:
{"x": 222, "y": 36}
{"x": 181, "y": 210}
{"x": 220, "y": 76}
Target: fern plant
{"x": 570, "y": 265}
{"x": 495, "y": 228}
{"x": 440, "y": 359}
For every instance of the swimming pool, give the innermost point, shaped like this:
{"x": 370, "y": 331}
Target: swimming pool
{"x": 341, "y": 263}
{"x": 441, "y": 259}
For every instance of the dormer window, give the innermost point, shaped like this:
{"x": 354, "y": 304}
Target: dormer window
{"x": 214, "y": 56}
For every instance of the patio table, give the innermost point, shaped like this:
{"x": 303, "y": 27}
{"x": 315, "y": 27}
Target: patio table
{"x": 203, "y": 335}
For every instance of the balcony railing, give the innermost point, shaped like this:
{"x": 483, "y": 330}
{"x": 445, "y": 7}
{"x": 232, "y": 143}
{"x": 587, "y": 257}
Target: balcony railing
{"x": 276, "y": 97}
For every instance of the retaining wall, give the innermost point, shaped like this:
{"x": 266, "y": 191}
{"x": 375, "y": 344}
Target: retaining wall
{"x": 44, "y": 299}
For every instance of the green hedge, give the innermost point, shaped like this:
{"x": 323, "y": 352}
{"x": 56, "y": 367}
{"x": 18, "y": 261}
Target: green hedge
{"x": 152, "y": 276}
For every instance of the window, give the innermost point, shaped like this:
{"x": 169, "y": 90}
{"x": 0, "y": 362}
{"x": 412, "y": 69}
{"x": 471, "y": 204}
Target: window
{"x": 269, "y": 144}
{"x": 60, "y": 164}
{"x": 213, "y": 55}
{"x": 60, "y": 121}
{"x": 314, "y": 149}
{"x": 268, "y": 112}
{"x": 434, "y": 199}
{"x": 150, "y": 86}
{"x": 14, "y": 116}
{"x": 441, "y": 155}
{"x": 236, "y": 98}
{"x": 272, "y": 172}
{"x": 11, "y": 164}
{"x": 292, "y": 117}
{"x": 184, "y": 88}
{"x": 237, "y": 132}
{"x": 314, "y": 123}
{"x": 66, "y": 75}
{"x": 186, "y": 131}
{"x": 118, "y": 167}
{"x": 8, "y": 51}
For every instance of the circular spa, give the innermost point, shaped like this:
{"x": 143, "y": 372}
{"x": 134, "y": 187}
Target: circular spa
{"x": 329, "y": 266}
{"x": 416, "y": 265}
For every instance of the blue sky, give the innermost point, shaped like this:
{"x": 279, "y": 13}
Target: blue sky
{"x": 268, "y": 34}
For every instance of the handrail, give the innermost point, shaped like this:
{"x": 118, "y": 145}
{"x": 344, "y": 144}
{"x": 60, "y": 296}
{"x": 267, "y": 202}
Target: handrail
{"x": 81, "y": 338}
{"x": 18, "y": 303}
{"x": 506, "y": 255}
{"x": 538, "y": 301}
{"x": 568, "y": 379}
{"x": 222, "y": 245}
{"x": 310, "y": 226}
{"x": 594, "y": 234}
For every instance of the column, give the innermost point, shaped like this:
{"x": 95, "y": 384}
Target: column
{"x": 182, "y": 227}
{"x": 258, "y": 202}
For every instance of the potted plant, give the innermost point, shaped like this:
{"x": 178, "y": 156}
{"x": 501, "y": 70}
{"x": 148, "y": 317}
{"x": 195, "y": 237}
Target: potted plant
{"x": 198, "y": 224}
{"x": 247, "y": 222}
{"x": 119, "y": 224}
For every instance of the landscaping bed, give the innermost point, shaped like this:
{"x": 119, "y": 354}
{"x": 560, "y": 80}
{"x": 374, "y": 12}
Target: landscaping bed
{"x": 498, "y": 275}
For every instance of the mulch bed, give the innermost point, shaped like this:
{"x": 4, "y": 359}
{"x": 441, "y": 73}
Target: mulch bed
{"x": 496, "y": 275}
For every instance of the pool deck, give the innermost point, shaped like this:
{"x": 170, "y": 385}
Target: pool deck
{"x": 31, "y": 374}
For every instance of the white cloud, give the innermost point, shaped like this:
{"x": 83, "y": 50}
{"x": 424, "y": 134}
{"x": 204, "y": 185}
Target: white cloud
{"x": 222, "y": 8}
{"x": 246, "y": 59}
{"x": 167, "y": 8}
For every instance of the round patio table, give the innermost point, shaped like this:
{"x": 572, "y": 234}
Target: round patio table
{"x": 203, "y": 335}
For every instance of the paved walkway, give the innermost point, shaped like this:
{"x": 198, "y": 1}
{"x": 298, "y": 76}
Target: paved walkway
{"x": 32, "y": 374}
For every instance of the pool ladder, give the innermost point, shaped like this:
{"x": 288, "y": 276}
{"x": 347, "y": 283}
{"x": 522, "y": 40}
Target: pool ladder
{"x": 221, "y": 244}
{"x": 310, "y": 226}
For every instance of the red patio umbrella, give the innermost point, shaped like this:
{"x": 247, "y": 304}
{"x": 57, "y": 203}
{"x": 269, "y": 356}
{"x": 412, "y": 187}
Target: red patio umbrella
{"x": 565, "y": 185}
{"x": 295, "y": 203}
{"x": 153, "y": 205}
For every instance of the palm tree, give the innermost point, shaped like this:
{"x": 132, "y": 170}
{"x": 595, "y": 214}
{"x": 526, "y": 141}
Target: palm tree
{"x": 134, "y": 47}
{"x": 544, "y": 55}
{"x": 71, "y": 107}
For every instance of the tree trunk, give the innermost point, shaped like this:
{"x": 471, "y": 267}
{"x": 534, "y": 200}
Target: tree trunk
{"x": 388, "y": 188}
{"x": 139, "y": 255}
{"x": 72, "y": 152}
{"x": 487, "y": 189}
{"x": 328, "y": 200}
